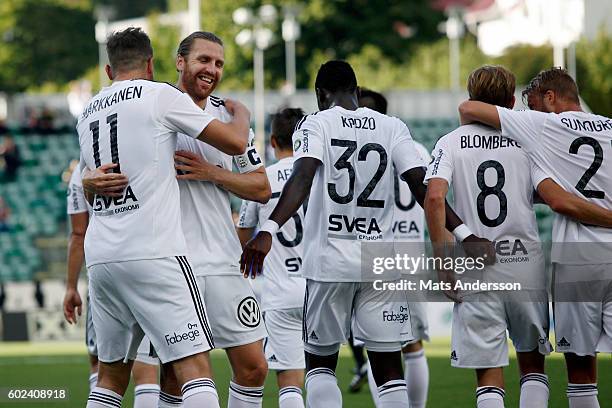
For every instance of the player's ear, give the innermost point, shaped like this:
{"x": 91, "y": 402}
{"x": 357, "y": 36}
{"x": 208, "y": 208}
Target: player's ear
{"x": 512, "y": 102}
{"x": 180, "y": 63}
{"x": 109, "y": 72}
{"x": 273, "y": 142}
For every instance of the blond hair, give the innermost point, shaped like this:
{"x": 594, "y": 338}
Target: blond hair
{"x": 492, "y": 84}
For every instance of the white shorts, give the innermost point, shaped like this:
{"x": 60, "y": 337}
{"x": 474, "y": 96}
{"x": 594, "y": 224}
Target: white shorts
{"x": 90, "y": 332}
{"x": 419, "y": 321}
{"x": 234, "y": 313}
{"x": 156, "y": 297}
{"x": 479, "y": 340}
{"x": 583, "y": 327}
{"x": 378, "y": 317}
{"x": 283, "y": 347}
{"x": 146, "y": 353}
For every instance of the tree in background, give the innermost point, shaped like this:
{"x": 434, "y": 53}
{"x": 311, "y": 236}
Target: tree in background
{"x": 594, "y": 74}
{"x": 44, "y": 41}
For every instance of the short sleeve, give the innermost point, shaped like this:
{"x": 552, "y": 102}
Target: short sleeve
{"x": 178, "y": 113}
{"x": 442, "y": 164}
{"x": 308, "y": 139}
{"x": 523, "y": 126}
{"x": 249, "y": 216}
{"x": 75, "y": 197}
{"x": 537, "y": 174}
{"x": 404, "y": 154}
{"x": 423, "y": 152}
{"x": 249, "y": 160}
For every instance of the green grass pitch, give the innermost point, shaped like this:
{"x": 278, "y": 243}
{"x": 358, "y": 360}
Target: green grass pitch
{"x": 54, "y": 365}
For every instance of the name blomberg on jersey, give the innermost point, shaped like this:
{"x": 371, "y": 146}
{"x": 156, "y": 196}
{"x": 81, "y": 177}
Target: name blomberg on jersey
{"x": 490, "y": 142}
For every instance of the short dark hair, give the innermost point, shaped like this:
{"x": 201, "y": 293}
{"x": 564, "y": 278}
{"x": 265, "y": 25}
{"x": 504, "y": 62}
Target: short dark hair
{"x": 283, "y": 124}
{"x": 555, "y": 79}
{"x": 336, "y": 76}
{"x": 492, "y": 84}
{"x": 378, "y": 101}
{"x": 128, "y": 49}
{"x": 184, "y": 47}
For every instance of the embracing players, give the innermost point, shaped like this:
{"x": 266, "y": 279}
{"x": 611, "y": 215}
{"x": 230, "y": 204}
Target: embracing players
{"x": 570, "y": 146}
{"x": 141, "y": 281}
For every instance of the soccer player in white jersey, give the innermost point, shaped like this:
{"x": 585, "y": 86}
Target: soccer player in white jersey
{"x": 146, "y": 389}
{"x": 571, "y": 147}
{"x": 408, "y": 226}
{"x": 282, "y": 297}
{"x": 344, "y": 159}
{"x": 141, "y": 281}
{"x": 206, "y": 181}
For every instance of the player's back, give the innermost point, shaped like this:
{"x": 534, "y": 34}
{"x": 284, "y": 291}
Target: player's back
{"x": 491, "y": 182}
{"x": 572, "y": 148}
{"x": 127, "y": 124}
{"x": 351, "y": 200}
{"x": 578, "y": 147}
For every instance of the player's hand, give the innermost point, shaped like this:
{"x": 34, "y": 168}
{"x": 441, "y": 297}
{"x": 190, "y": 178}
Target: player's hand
{"x": 476, "y": 247}
{"x": 233, "y": 107}
{"x": 100, "y": 182}
{"x": 447, "y": 277}
{"x": 254, "y": 253}
{"x": 72, "y": 305}
{"x": 194, "y": 167}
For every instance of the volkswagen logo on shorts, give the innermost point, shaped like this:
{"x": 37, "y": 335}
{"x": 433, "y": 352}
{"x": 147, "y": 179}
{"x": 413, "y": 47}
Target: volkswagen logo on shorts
{"x": 248, "y": 312}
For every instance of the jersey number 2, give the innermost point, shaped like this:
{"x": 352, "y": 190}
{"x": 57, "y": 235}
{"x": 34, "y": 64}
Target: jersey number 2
{"x": 95, "y": 130}
{"x": 597, "y": 161}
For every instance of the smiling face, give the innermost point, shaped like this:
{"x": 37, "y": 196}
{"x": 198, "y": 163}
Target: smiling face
{"x": 201, "y": 70}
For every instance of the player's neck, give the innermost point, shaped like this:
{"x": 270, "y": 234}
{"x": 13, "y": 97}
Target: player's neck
{"x": 282, "y": 154}
{"x": 200, "y": 102}
{"x": 129, "y": 75}
{"x": 569, "y": 107}
{"x": 346, "y": 101}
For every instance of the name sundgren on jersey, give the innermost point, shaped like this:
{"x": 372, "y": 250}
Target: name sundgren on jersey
{"x": 128, "y": 202}
{"x": 587, "y": 125}
{"x": 489, "y": 142}
{"x": 358, "y": 123}
{"x": 131, "y": 92}
{"x": 344, "y": 223}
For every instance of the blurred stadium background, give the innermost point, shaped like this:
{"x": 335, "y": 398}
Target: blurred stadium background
{"x": 417, "y": 52}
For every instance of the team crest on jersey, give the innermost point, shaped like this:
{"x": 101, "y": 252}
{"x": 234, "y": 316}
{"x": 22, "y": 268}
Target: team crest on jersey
{"x": 296, "y": 145}
{"x": 248, "y": 312}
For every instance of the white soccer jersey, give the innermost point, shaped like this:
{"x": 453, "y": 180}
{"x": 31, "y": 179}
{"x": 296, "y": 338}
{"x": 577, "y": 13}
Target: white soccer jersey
{"x": 283, "y": 285}
{"x": 352, "y": 196}
{"x": 409, "y": 217}
{"x": 75, "y": 198}
{"x": 214, "y": 247}
{"x": 493, "y": 181}
{"x": 134, "y": 123}
{"x": 574, "y": 149}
